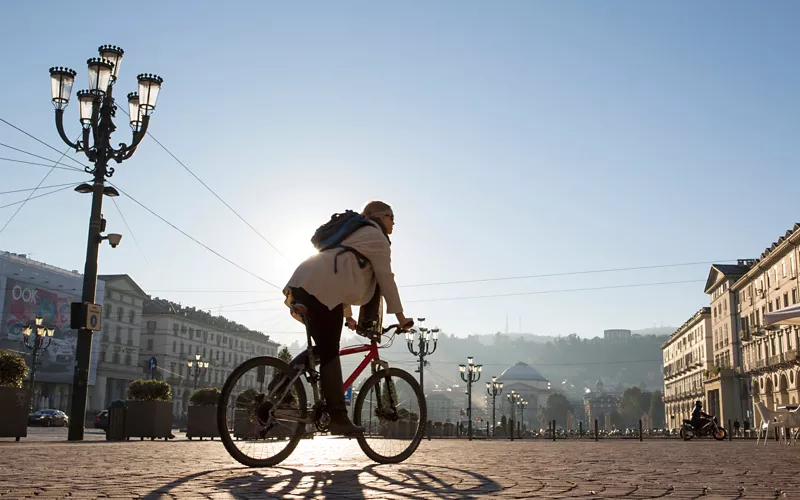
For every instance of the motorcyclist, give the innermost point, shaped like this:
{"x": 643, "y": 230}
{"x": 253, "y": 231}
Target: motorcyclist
{"x": 699, "y": 418}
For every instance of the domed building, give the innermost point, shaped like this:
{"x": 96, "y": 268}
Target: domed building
{"x": 525, "y": 380}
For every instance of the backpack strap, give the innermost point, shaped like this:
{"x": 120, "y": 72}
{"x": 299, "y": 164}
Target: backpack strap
{"x": 362, "y": 261}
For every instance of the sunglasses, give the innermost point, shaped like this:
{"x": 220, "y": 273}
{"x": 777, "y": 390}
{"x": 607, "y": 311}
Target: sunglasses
{"x": 391, "y": 216}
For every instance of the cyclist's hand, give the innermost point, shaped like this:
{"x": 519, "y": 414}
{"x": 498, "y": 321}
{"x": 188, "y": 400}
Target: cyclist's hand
{"x": 350, "y": 323}
{"x": 403, "y": 323}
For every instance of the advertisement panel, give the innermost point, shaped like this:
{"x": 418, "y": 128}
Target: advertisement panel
{"x": 21, "y": 303}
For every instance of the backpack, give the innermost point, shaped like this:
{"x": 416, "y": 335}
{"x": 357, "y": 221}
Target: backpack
{"x": 335, "y": 231}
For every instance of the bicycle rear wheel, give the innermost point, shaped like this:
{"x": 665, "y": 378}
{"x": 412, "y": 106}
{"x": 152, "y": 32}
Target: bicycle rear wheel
{"x": 258, "y": 411}
{"x": 391, "y": 407}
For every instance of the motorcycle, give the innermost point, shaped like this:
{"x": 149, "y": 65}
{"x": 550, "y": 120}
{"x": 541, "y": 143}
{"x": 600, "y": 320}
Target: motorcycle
{"x": 710, "y": 427}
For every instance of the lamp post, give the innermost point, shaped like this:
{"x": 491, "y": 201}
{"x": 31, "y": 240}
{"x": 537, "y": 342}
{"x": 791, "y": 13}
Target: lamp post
{"x": 97, "y": 109}
{"x": 494, "y": 389}
{"x": 34, "y": 340}
{"x": 470, "y": 373}
{"x": 200, "y": 368}
{"x": 512, "y": 400}
{"x": 423, "y": 346}
{"x": 522, "y": 405}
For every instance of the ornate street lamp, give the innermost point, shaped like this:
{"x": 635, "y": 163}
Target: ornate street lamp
{"x": 424, "y": 346}
{"x": 97, "y": 110}
{"x": 512, "y": 398}
{"x": 494, "y": 389}
{"x": 34, "y": 337}
{"x": 200, "y": 368}
{"x": 522, "y": 405}
{"x": 470, "y": 373}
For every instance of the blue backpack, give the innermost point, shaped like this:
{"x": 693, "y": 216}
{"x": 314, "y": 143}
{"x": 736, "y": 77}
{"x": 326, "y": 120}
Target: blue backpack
{"x": 335, "y": 231}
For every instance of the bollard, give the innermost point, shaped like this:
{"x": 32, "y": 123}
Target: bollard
{"x": 641, "y": 434}
{"x": 596, "y": 437}
{"x": 554, "y": 430}
{"x": 730, "y": 432}
{"x": 519, "y": 429}
{"x": 580, "y": 428}
{"x": 487, "y": 429}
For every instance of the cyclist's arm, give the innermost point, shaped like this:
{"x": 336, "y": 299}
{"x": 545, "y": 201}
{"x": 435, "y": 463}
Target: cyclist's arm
{"x": 375, "y": 247}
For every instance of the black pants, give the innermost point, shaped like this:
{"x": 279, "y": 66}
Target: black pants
{"x": 325, "y": 325}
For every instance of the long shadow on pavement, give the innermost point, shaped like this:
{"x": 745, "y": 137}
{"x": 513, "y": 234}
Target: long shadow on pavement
{"x": 402, "y": 481}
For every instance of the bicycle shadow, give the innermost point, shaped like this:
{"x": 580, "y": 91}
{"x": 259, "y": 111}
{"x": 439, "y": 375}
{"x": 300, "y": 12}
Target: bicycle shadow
{"x": 402, "y": 481}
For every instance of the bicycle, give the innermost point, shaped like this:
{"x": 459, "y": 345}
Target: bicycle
{"x": 267, "y": 413}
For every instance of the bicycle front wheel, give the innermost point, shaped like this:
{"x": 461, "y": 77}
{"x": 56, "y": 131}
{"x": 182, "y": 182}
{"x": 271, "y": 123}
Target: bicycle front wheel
{"x": 259, "y": 412}
{"x": 391, "y": 407}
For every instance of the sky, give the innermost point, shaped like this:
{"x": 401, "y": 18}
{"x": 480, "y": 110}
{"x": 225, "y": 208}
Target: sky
{"x": 512, "y": 139}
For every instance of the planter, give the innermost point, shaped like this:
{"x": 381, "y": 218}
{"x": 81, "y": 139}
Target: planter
{"x": 202, "y": 422}
{"x": 149, "y": 419}
{"x": 14, "y": 412}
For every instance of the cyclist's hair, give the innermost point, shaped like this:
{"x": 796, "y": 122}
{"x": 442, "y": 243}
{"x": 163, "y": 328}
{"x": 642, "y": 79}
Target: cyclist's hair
{"x": 375, "y": 208}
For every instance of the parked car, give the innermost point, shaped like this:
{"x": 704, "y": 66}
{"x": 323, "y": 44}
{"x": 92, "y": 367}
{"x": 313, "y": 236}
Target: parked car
{"x": 101, "y": 420}
{"x": 48, "y": 418}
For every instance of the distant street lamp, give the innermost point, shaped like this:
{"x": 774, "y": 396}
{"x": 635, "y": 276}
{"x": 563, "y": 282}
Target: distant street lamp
{"x": 424, "y": 347}
{"x": 470, "y": 373}
{"x": 97, "y": 109}
{"x": 494, "y": 389}
{"x": 34, "y": 336}
{"x": 522, "y": 405}
{"x": 199, "y": 367}
{"x": 512, "y": 400}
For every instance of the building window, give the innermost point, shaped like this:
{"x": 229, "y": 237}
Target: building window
{"x": 183, "y": 329}
{"x": 120, "y": 313}
{"x": 149, "y": 344}
{"x": 132, "y": 316}
{"x": 174, "y": 347}
{"x": 175, "y": 328}
{"x": 191, "y": 332}
{"x": 128, "y": 359}
{"x": 786, "y": 299}
{"x": 794, "y": 295}
{"x": 108, "y": 310}
{"x": 777, "y": 303}
{"x": 151, "y": 327}
{"x": 118, "y": 338}
{"x": 116, "y": 358}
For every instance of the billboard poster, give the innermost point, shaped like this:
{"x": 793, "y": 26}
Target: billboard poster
{"x": 21, "y": 303}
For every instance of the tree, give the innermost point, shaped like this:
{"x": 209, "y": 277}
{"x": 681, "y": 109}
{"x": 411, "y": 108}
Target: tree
{"x": 556, "y": 409}
{"x": 634, "y": 403}
{"x": 285, "y": 355}
{"x": 657, "y": 409}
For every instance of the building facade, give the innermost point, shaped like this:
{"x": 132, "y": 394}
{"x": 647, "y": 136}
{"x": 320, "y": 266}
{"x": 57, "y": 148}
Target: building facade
{"x": 174, "y": 335}
{"x": 617, "y": 334}
{"x": 118, "y": 360}
{"x": 30, "y": 289}
{"x": 769, "y": 355}
{"x": 442, "y": 408}
{"x": 685, "y": 356}
{"x": 726, "y": 385}
{"x": 600, "y": 405}
{"x": 526, "y": 381}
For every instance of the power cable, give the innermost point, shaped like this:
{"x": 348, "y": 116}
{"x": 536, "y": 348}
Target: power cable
{"x": 40, "y": 187}
{"x": 194, "y": 239}
{"x": 40, "y": 157}
{"x": 566, "y": 290}
{"x": 35, "y": 197}
{"x": 129, "y": 229}
{"x": 569, "y": 273}
{"x": 72, "y": 169}
{"x": 41, "y": 141}
{"x": 25, "y": 202}
{"x": 219, "y": 198}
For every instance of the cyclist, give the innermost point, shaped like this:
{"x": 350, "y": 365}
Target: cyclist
{"x": 331, "y": 281}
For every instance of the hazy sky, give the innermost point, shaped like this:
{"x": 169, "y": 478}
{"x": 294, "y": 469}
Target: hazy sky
{"x": 512, "y": 138}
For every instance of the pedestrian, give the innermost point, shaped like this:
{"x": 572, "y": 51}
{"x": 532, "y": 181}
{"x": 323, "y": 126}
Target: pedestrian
{"x": 736, "y": 428}
{"x": 746, "y": 428}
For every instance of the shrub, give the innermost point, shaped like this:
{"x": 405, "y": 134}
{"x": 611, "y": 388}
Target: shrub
{"x": 13, "y": 369}
{"x": 149, "y": 390}
{"x": 246, "y": 398}
{"x": 205, "y": 397}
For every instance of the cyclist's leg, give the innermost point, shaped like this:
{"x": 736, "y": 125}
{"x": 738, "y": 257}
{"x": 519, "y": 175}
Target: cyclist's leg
{"x": 326, "y": 330}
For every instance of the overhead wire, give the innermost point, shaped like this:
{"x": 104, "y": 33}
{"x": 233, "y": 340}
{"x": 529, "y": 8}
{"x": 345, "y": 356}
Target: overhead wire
{"x": 40, "y": 187}
{"x": 40, "y": 141}
{"x": 57, "y": 162}
{"x": 14, "y": 160}
{"x": 162, "y": 219}
{"x": 124, "y": 221}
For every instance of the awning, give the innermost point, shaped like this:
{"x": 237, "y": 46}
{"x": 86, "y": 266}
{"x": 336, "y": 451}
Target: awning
{"x": 788, "y": 316}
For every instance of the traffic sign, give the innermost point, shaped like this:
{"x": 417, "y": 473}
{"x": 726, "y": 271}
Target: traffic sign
{"x": 153, "y": 364}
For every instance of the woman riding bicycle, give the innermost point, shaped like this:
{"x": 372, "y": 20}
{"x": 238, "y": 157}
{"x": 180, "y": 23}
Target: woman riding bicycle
{"x": 331, "y": 281}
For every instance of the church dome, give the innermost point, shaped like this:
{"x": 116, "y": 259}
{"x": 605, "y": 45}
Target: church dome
{"x": 521, "y": 371}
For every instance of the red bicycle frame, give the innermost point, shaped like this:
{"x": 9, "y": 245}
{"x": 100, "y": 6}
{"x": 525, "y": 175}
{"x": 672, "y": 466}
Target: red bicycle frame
{"x": 372, "y": 354}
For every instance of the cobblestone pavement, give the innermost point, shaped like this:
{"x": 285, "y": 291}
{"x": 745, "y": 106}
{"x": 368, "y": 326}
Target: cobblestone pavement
{"x": 336, "y": 468}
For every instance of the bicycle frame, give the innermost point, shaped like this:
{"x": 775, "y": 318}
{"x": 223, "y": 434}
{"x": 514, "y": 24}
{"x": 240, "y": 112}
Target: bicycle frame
{"x": 372, "y": 357}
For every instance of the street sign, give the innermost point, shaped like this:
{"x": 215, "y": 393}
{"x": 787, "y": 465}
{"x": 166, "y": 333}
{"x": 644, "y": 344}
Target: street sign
{"x": 348, "y": 395}
{"x": 153, "y": 364}
{"x": 85, "y": 315}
